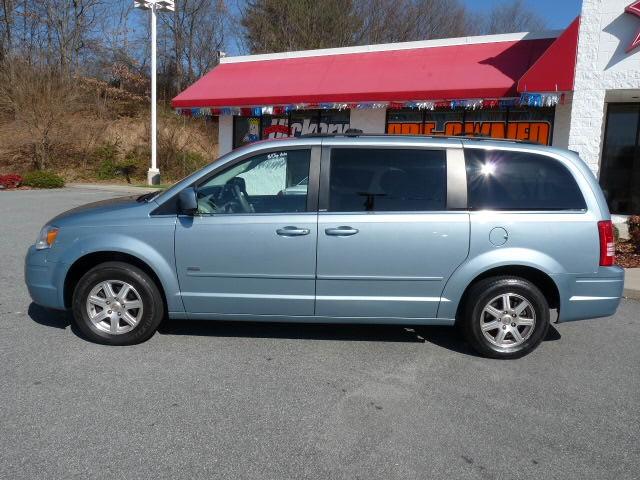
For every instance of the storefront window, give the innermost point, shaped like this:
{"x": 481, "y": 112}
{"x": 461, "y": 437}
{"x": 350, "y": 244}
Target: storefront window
{"x": 296, "y": 123}
{"x": 334, "y": 121}
{"x": 275, "y": 126}
{"x": 620, "y": 169}
{"x": 308, "y": 122}
{"x": 530, "y": 124}
{"x": 443, "y": 122}
{"x": 245, "y": 130}
{"x": 405, "y": 122}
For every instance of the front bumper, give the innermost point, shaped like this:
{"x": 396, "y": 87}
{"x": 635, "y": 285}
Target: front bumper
{"x": 44, "y": 279}
{"x": 593, "y": 296}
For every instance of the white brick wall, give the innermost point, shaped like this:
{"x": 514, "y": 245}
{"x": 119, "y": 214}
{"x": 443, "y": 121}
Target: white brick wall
{"x": 602, "y": 65}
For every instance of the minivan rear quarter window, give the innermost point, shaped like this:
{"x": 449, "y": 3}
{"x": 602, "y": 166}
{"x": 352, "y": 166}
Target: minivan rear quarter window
{"x": 505, "y": 180}
{"x": 387, "y": 180}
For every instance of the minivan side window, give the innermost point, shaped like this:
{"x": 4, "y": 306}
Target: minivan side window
{"x": 504, "y": 180}
{"x": 274, "y": 182}
{"x": 387, "y": 180}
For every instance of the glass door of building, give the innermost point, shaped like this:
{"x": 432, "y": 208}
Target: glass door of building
{"x": 620, "y": 166}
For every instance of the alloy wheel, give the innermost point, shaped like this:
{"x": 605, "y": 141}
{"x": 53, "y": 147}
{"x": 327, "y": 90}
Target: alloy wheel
{"x": 508, "y": 320}
{"x": 114, "y": 307}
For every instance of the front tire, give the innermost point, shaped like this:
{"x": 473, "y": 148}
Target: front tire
{"x": 505, "y": 317}
{"x": 116, "y": 303}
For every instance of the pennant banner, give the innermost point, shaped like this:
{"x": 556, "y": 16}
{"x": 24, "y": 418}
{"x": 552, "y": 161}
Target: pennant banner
{"x": 534, "y": 100}
{"x": 540, "y": 99}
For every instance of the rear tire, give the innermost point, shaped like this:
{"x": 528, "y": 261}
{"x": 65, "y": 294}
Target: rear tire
{"x": 505, "y": 317}
{"x": 116, "y": 303}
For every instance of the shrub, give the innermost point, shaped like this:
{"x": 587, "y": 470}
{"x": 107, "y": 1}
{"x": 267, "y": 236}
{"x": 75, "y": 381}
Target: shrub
{"x": 127, "y": 167}
{"x": 106, "y": 151}
{"x": 106, "y": 156}
{"x": 43, "y": 179}
{"x": 11, "y": 180}
{"x": 191, "y": 161}
{"x": 106, "y": 170}
{"x": 634, "y": 231}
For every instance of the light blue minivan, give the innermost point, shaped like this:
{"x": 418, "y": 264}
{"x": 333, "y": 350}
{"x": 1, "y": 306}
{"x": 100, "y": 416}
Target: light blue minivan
{"x": 482, "y": 234}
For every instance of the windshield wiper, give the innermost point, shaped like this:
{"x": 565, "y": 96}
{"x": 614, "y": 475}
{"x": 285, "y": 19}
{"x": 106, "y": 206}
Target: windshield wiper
{"x": 145, "y": 197}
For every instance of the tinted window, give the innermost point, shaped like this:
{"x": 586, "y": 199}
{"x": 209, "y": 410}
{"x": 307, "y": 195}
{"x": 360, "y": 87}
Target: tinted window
{"x": 502, "y": 180}
{"x": 620, "y": 166}
{"x": 245, "y": 130}
{"x": 378, "y": 180}
{"x": 273, "y": 182}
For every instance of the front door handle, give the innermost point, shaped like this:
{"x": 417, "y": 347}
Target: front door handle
{"x": 341, "y": 231}
{"x": 291, "y": 231}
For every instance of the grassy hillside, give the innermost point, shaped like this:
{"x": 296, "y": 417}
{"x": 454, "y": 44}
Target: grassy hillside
{"x": 88, "y": 130}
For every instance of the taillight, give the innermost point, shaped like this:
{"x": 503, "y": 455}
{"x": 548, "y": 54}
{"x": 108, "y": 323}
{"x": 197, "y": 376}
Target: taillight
{"x": 607, "y": 243}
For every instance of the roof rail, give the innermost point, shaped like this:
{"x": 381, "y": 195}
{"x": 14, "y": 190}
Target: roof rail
{"x": 352, "y": 133}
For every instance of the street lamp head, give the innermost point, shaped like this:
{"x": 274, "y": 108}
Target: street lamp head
{"x": 158, "y": 5}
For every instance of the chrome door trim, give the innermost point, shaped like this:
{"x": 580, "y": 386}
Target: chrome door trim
{"x": 386, "y": 278}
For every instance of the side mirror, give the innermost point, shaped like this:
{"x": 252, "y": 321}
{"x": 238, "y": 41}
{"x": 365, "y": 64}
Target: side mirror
{"x": 188, "y": 201}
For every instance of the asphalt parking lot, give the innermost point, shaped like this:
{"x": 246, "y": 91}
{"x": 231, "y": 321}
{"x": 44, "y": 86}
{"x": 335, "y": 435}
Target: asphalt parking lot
{"x": 233, "y": 400}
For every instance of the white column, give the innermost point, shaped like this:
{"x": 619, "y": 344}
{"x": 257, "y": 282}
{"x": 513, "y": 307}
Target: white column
{"x": 369, "y": 120}
{"x": 562, "y": 122}
{"x": 225, "y": 134}
{"x": 153, "y": 176}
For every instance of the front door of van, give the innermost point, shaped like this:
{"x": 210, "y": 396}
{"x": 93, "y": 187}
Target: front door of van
{"x": 388, "y": 239}
{"x": 251, "y": 249}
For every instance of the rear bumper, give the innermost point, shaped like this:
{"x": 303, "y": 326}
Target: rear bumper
{"x": 590, "y": 296}
{"x": 43, "y": 279}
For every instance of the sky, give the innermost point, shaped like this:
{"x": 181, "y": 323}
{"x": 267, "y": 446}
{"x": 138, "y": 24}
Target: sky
{"x": 557, "y": 13}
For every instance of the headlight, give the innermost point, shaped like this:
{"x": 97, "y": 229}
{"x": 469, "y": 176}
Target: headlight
{"x": 47, "y": 236}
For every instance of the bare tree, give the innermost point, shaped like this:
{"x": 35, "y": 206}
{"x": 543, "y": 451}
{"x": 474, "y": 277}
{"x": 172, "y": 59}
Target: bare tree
{"x": 407, "y": 20}
{"x": 281, "y": 25}
{"x": 37, "y": 99}
{"x": 196, "y": 32}
{"x": 7, "y": 10}
{"x": 513, "y": 16}
{"x": 69, "y": 24}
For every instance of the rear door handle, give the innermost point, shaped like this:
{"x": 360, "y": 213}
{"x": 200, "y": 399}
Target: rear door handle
{"x": 341, "y": 231}
{"x": 291, "y": 231}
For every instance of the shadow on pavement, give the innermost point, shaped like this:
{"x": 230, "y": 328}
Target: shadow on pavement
{"x": 553, "y": 334}
{"x": 298, "y": 331}
{"x": 445, "y": 337}
{"x": 49, "y": 318}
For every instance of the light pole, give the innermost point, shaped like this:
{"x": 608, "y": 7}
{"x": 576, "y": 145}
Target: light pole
{"x": 154, "y": 6}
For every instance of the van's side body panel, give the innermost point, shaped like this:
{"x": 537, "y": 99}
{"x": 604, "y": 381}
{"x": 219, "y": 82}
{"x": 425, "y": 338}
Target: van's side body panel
{"x": 396, "y": 265}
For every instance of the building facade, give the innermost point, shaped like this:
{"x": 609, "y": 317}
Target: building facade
{"x": 578, "y": 89}
{"x": 604, "y": 126}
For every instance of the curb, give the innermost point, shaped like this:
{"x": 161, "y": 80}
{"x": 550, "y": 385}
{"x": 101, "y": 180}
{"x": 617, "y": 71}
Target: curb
{"x": 631, "y": 293}
{"x": 632, "y": 283}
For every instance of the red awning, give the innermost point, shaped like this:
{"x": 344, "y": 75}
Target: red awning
{"x": 481, "y": 70}
{"x": 555, "y": 70}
